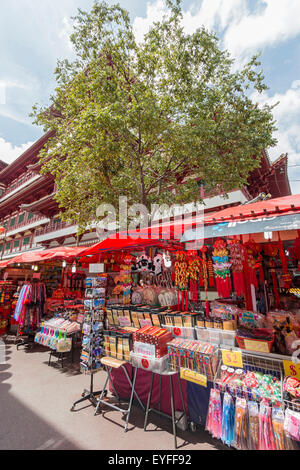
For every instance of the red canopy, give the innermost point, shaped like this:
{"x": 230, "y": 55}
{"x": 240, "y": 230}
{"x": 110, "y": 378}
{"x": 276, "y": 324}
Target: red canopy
{"x": 67, "y": 253}
{"x": 3, "y": 264}
{"x": 115, "y": 243}
{"x": 278, "y": 206}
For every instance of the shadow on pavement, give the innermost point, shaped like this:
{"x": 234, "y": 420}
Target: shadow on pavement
{"x": 21, "y": 428}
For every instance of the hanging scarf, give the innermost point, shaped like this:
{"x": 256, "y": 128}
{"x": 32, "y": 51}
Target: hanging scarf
{"x": 23, "y": 300}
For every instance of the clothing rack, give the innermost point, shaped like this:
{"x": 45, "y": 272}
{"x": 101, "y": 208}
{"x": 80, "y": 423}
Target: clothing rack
{"x": 29, "y": 311}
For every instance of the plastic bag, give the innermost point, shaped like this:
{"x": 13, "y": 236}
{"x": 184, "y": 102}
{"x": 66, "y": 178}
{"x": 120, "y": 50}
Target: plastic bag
{"x": 241, "y": 424}
{"x": 253, "y": 425}
{"x": 214, "y": 415}
{"x": 228, "y": 436}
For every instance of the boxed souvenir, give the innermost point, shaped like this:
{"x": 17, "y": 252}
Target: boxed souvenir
{"x": 113, "y": 344}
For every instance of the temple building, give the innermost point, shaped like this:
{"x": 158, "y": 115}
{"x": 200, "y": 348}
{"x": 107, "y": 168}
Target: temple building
{"x": 30, "y": 214}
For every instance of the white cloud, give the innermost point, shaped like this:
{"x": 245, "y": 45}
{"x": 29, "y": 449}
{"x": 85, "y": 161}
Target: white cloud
{"x": 287, "y": 115}
{"x": 155, "y": 11}
{"x": 65, "y": 32}
{"x": 243, "y": 32}
{"x": 277, "y": 21}
{"x": 9, "y": 152}
{"x": 211, "y": 14}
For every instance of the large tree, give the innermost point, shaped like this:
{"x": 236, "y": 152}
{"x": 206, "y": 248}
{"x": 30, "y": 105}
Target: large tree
{"x": 139, "y": 119}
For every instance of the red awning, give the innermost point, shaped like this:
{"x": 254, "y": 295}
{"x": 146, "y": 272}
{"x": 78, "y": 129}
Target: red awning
{"x": 116, "y": 244}
{"x": 67, "y": 253}
{"x": 279, "y": 206}
{"x": 4, "y": 264}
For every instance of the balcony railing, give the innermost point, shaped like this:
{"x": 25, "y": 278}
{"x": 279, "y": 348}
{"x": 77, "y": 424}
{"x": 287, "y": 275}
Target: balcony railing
{"x": 16, "y": 184}
{"x": 53, "y": 227}
{"x": 25, "y": 222}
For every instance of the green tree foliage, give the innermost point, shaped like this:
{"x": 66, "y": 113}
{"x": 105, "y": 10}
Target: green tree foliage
{"x": 138, "y": 119}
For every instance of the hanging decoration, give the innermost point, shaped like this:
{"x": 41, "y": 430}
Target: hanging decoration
{"x": 237, "y": 254}
{"x": 205, "y": 277}
{"x": 181, "y": 278}
{"x": 252, "y": 260}
{"x": 210, "y": 267}
{"x": 194, "y": 268}
{"x": 271, "y": 250}
{"x": 295, "y": 250}
{"x": 286, "y": 277}
{"x": 222, "y": 268}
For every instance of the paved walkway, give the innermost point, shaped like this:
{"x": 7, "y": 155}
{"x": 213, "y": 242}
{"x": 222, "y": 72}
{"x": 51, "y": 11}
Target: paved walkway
{"x": 35, "y": 402}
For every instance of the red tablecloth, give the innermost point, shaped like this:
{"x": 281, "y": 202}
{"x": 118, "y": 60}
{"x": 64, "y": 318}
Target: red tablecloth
{"x": 142, "y": 386}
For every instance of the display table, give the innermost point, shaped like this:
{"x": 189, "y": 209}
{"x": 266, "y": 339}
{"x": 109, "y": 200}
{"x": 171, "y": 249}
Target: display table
{"x": 142, "y": 387}
{"x": 175, "y": 421}
{"x": 110, "y": 364}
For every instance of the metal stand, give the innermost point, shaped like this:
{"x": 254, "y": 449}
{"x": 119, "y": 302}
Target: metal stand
{"x": 108, "y": 365}
{"x": 173, "y": 417}
{"x": 27, "y": 342}
{"x": 89, "y": 395}
{"x": 59, "y": 355}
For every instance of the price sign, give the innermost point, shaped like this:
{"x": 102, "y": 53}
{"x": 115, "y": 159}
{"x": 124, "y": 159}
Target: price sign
{"x": 232, "y": 358}
{"x": 291, "y": 369}
{"x": 144, "y": 349}
{"x": 259, "y": 346}
{"x": 194, "y": 377}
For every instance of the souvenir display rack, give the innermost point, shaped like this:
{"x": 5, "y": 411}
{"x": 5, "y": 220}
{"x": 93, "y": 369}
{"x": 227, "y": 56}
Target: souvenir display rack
{"x": 93, "y": 326}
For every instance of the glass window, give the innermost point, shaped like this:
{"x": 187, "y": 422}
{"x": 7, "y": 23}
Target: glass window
{"x": 12, "y": 222}
{"x": 21, "y": 218}
{"x": 1, "y": 248}
{"x": 26, "y": 241}
{"x": 16, "y": 244}
{"x": 7, "y": 246}
{"x": 30, "y": 216}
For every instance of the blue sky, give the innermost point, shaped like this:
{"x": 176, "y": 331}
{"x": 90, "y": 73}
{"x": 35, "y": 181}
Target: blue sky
{"x": 34, "y": 34}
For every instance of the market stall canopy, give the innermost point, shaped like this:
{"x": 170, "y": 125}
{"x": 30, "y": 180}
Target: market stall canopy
{"x": 115, "y": 243}
{"x": 67, "y": 253}
{"x": 4, "y": 264}
{"x": 242, "y": 227}
{"x": 266, "y": 216}
{"x": 268, "y": 208}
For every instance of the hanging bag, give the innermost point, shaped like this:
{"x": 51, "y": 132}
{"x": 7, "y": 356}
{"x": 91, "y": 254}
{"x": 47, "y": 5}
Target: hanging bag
{"x": 64, "y": 344}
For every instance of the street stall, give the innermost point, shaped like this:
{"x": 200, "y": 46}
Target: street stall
{"x": 45, "y": 297}
{"x": 255, "y": 391}
{"x": 221, "y": 314}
